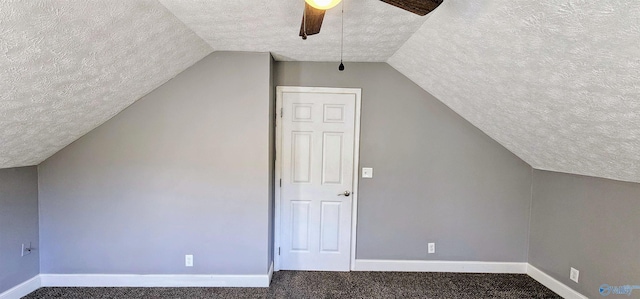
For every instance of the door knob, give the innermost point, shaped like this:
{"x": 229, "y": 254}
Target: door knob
{"x": 346, "y": 193}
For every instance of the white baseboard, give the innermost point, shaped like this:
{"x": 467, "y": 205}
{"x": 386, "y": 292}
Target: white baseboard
{"x": 270, "y": 273}
{"x": 22, "y": 289}
{"x": 153, "y": 280}
{"x": 132, "y": 280}
{"x": 439, "y": 266}
{"x": 553, "y": 284}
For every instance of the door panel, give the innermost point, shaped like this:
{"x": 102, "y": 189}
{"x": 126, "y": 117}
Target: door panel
{"x": 318, "y": 135}
{"x": 300, "y": 227}
{"x": 332, "y": 158}
{"x": 330, "y": 227}
{"x": 301, "y": 159}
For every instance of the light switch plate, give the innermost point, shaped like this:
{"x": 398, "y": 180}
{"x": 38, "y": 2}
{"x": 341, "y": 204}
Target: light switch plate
{"x": 367, "y": 172}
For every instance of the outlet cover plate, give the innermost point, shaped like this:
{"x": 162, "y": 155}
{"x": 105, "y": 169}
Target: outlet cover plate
{"x": 431, "y": 248}
{"x": 574, "y": 274}
{"x": 188, "y": 260}
{"x": 26, "y": 249}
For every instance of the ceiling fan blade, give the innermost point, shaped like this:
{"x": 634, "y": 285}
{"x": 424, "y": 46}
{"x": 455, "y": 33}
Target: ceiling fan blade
{"x": 313, "y": 18}
{"x": 419, "y": 7}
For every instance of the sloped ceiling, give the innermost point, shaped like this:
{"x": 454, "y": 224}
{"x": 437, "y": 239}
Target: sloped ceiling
{"x": 68, "y": 66}
{"x": 373, "y": 30}
{"x": 555, "y": 82}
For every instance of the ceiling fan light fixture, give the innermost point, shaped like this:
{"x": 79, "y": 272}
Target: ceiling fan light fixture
{"x": 323, "y": 4}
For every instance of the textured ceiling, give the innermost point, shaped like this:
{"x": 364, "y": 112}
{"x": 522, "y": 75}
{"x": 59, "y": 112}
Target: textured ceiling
{"x": 557, "y": 82}
{"x": 68, "y": 66}
{"x": 373, "y": 30}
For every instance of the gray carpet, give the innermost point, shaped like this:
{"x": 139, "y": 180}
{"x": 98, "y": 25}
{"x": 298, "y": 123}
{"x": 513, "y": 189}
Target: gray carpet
{"x": 296, "y": 284}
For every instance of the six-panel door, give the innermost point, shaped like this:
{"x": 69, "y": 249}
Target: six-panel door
{"x": 318, "y": 132}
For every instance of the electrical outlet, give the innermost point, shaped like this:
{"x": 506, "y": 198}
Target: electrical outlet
{"x": 431, "y": 248}
{"x": 574, "y": 274}
{"x": 26, "y": 250}
{"x": 188, "y": 260}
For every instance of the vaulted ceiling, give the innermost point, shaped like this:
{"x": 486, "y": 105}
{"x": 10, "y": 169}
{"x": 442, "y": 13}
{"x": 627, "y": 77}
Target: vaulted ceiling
{"x": 557, "y": 82}
{"x": 68, "y": 66}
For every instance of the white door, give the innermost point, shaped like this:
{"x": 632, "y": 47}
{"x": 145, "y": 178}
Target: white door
{"x": 317, "y": 172}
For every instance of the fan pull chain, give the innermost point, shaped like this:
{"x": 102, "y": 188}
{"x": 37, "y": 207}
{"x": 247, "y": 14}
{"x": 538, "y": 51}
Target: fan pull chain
{"x": 341, "y": 66}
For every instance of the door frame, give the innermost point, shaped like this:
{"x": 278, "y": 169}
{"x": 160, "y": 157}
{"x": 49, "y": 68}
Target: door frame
{"x": 278, "y": 160}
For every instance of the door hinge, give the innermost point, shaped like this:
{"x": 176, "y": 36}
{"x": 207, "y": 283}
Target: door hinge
{"x": 281, "y": 112}
{"x": 278, "y": 250}
{"x": 280, "y": 182}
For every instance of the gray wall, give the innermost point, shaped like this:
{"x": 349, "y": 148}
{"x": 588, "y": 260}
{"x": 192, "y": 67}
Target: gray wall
{"x": 587, "y": 223}
{"x": 437, "y": 178}
{"x": 184, "y": 170}
{"x": 18, "y": 225}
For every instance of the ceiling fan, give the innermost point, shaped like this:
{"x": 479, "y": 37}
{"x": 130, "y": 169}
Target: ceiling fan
{"x": 314, "y": 11}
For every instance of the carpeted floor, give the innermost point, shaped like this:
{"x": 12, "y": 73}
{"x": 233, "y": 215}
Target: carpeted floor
{"x": 297, "y": 284}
